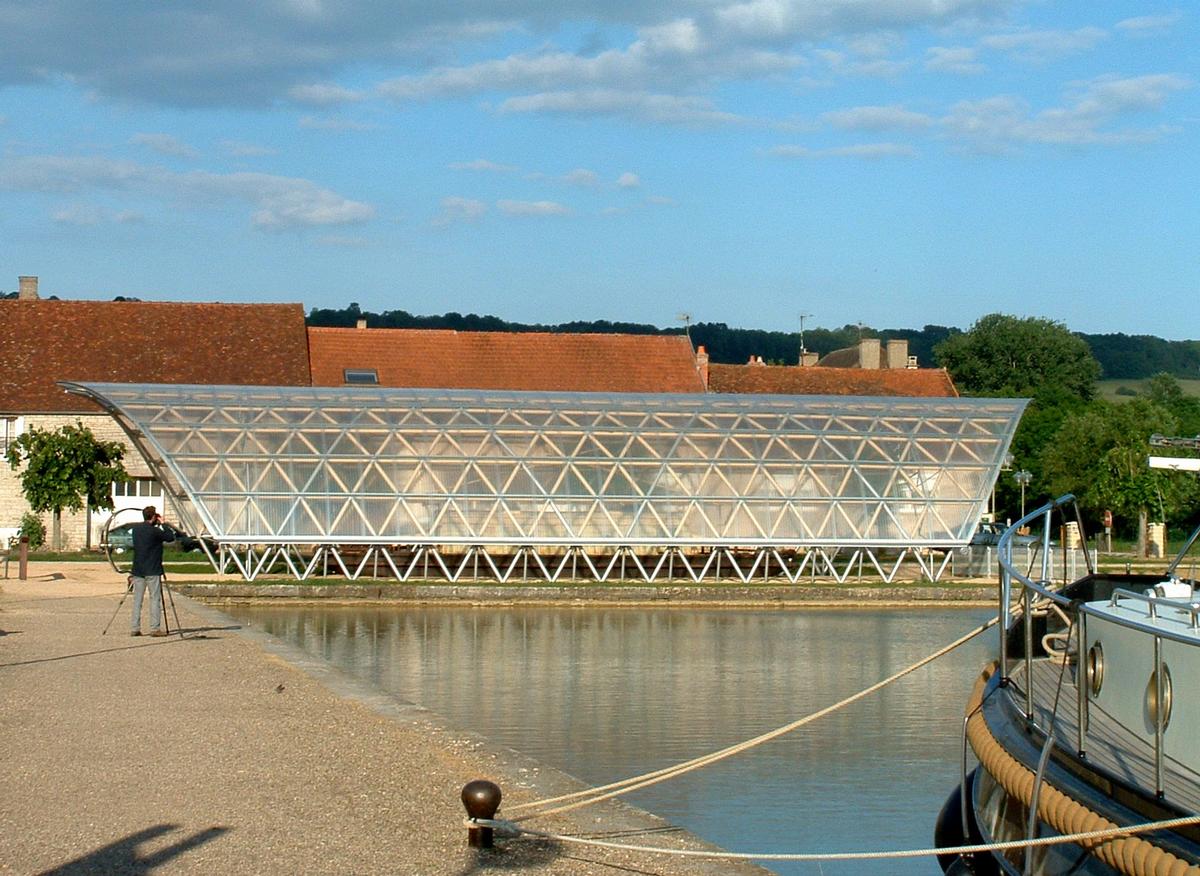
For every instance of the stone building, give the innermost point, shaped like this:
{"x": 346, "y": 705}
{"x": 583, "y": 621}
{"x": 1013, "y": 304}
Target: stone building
{"x": 867, "y": 369}
{"x": 43, "y": 341}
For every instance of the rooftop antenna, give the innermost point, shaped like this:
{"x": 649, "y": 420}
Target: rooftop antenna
{"x": 686, "y": 319}
{"x": 803, "y": 316}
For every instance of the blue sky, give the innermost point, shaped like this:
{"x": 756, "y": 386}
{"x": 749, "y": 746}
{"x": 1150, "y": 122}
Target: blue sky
{"x": 890, "y": 162}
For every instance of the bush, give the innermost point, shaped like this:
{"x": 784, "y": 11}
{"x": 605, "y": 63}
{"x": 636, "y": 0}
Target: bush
{"x": 1125, "y": 390}
{"x": 34, "y": 529}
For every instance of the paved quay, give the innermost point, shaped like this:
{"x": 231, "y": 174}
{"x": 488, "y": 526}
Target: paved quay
{"x": 223, "y": 752}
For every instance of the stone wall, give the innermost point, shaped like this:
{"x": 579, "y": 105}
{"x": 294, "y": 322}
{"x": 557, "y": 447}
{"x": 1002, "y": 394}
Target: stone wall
{"x": 74, "y": 525}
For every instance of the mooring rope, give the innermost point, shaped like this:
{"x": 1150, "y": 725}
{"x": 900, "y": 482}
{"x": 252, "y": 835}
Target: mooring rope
{"x": 1082, "y": 837}
{"x": 1089, "y": 837}
{"x": 645, "y": 780}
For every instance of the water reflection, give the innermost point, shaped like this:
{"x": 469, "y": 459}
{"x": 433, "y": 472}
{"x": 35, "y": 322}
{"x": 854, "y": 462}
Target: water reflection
{"x": 604, "y": 693}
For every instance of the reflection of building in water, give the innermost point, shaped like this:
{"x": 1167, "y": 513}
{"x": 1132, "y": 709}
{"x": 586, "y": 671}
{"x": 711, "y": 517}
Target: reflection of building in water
{"x": 411, "y": 483}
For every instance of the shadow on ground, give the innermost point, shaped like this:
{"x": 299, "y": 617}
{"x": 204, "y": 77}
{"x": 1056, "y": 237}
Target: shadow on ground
{"x": 189, "y": 634}
{"x": 122, "y": 857}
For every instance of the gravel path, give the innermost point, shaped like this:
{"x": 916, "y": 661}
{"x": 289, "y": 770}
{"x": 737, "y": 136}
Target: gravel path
{"x": 222, "y": 752}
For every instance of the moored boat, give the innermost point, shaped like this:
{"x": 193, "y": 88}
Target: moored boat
{"x": 1087, "y": 720}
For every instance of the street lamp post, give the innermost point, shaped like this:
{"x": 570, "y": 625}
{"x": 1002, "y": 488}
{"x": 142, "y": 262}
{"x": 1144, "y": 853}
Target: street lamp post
{"x": 1022, "y": 477}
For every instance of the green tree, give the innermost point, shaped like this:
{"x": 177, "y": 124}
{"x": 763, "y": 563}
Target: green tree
{"x": 1099, "y": 454}
{"x": 1027, "y": 357}
{"x": 64, "y": 468}
{"x": 1019, "y": 356}
{"x": 1165, "y": 391}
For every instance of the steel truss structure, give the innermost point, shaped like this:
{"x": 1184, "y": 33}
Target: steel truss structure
{"x": 504, "y": 485}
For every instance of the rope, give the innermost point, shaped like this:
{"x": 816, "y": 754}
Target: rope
{"x": 645, "y": 780}
{"x": 1082, "y": 837}
{"x": 1132, "y": 856}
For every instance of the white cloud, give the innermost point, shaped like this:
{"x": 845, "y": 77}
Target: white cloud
{"x": 842, "y": 65}
{"x": 661, "y": 201}
{"x": 1087, "y": 117}
{"x": 343, "y": 241}
{"x": 277, "y": 201}
{"x": 628, "y": 180}
{"x": 164, "y": 144}
{"x": 532, "y": 208}
{"x": 959, "y": 60}
{"x": 456, "y": 209}
{"x": 324, "y": 94}
{"x": 675, "y": 54}
{"x": 859, "y": 150}
{"x": 90, "y": 215}
{"x": 876, "y": 118}
{"x": 778, "y": 20}
{"x": 333, "y": 123}
{"x": 656, "y": 108}
{"x": 192, "y": 53}
{"x": 1149, "y": 24}
{"x": 483, "y": 165}
{"x": 1042, "y": 46}
{"x": 582, "y": 177}
{"x": 239, "y": 149}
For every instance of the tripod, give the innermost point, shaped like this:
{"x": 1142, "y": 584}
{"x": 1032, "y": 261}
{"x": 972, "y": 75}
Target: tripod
{"x": 164, "y": 593}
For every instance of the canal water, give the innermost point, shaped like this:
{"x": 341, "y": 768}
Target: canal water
{"x": 604, "y": 693}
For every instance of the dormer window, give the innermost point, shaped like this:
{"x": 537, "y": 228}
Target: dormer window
{"x": 360, "y": 377}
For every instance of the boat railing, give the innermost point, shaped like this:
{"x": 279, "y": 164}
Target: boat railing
{"x": 1154, "y": 606}
{"x": 1036, "y": 596}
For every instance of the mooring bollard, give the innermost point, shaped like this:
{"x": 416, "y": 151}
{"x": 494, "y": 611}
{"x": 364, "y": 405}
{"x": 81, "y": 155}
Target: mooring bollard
{"x": 481, "y": 799}
{"x": 23, "y": 559}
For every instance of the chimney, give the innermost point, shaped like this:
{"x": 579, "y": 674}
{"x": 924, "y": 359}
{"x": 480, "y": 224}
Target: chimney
{"x": 868, "y": 354}
{"x": 27, "y": 288}
{"x": 897, "y": 354}
{"x": 702, "y": 364}
{"x": 361, "y": 324}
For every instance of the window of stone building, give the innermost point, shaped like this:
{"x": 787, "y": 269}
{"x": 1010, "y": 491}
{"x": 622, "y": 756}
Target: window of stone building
{"x": 360, "y": 376}
{"x": 147, "y": 488}
{"x": 10, "y": 428}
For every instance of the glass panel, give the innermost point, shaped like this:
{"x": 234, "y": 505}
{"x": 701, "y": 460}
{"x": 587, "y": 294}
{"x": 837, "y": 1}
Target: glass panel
{"x": 277, "y": 464}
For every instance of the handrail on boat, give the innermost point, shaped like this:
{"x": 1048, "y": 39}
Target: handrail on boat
{"x": 1008, "y": 572}
{"x": 1077, "y": 613}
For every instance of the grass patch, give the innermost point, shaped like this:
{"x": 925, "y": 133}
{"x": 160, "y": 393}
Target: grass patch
{"x": 1123, "y": 389}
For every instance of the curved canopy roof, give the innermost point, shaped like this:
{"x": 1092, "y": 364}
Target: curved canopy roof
{"x": 410, "y": 466}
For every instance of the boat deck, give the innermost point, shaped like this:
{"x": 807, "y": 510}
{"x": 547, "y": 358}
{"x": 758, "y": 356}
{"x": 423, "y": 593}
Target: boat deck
{"x": 1109, "y": 746}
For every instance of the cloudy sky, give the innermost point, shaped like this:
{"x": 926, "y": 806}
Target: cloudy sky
{"x": 892, "y": 162}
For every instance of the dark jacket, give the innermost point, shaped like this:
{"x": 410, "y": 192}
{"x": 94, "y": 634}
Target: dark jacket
{"x": 148, "y": 541}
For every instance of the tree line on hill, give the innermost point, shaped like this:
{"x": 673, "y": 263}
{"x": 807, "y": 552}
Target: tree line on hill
{"x": 1119, "y": 355}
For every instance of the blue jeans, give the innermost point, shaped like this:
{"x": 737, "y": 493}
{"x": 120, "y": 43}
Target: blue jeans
{"x": 139, "y": 587}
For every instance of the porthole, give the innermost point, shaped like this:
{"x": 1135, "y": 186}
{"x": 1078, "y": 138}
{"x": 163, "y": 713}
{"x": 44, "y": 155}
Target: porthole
{"x": 1095, "y": 669}
{"x": 1152, "y": 703}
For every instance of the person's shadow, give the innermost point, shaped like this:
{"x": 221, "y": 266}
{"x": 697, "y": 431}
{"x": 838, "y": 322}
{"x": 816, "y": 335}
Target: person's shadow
{"x": 122, "y": 857}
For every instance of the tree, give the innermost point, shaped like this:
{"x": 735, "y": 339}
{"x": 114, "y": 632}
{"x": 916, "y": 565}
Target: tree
{"x": 1027, "y": 357}
{"x": 1165, "y": 391}
{"x": 1099, "y": 454}
{"x": 65, "y": 468}
{"x": 1019, "y": 356}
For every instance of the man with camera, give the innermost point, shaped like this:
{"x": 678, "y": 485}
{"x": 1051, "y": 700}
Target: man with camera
{"x": 149, "y": 536}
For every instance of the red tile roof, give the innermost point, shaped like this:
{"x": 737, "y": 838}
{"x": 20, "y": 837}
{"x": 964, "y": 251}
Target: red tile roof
{"x": 445, "y": 359}
{"x": 143, "y": 342}
{"x": 819, "y": 380}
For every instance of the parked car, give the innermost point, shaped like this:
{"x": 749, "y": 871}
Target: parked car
{"x": 120, "y": 539}
{"x": 988, "y": 535}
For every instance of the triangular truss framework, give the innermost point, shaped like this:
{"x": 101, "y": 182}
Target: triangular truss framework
{"x": 297, "y": 466}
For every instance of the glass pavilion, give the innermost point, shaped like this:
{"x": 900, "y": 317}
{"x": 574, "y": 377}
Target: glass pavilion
{"x": 450, "y": 483}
